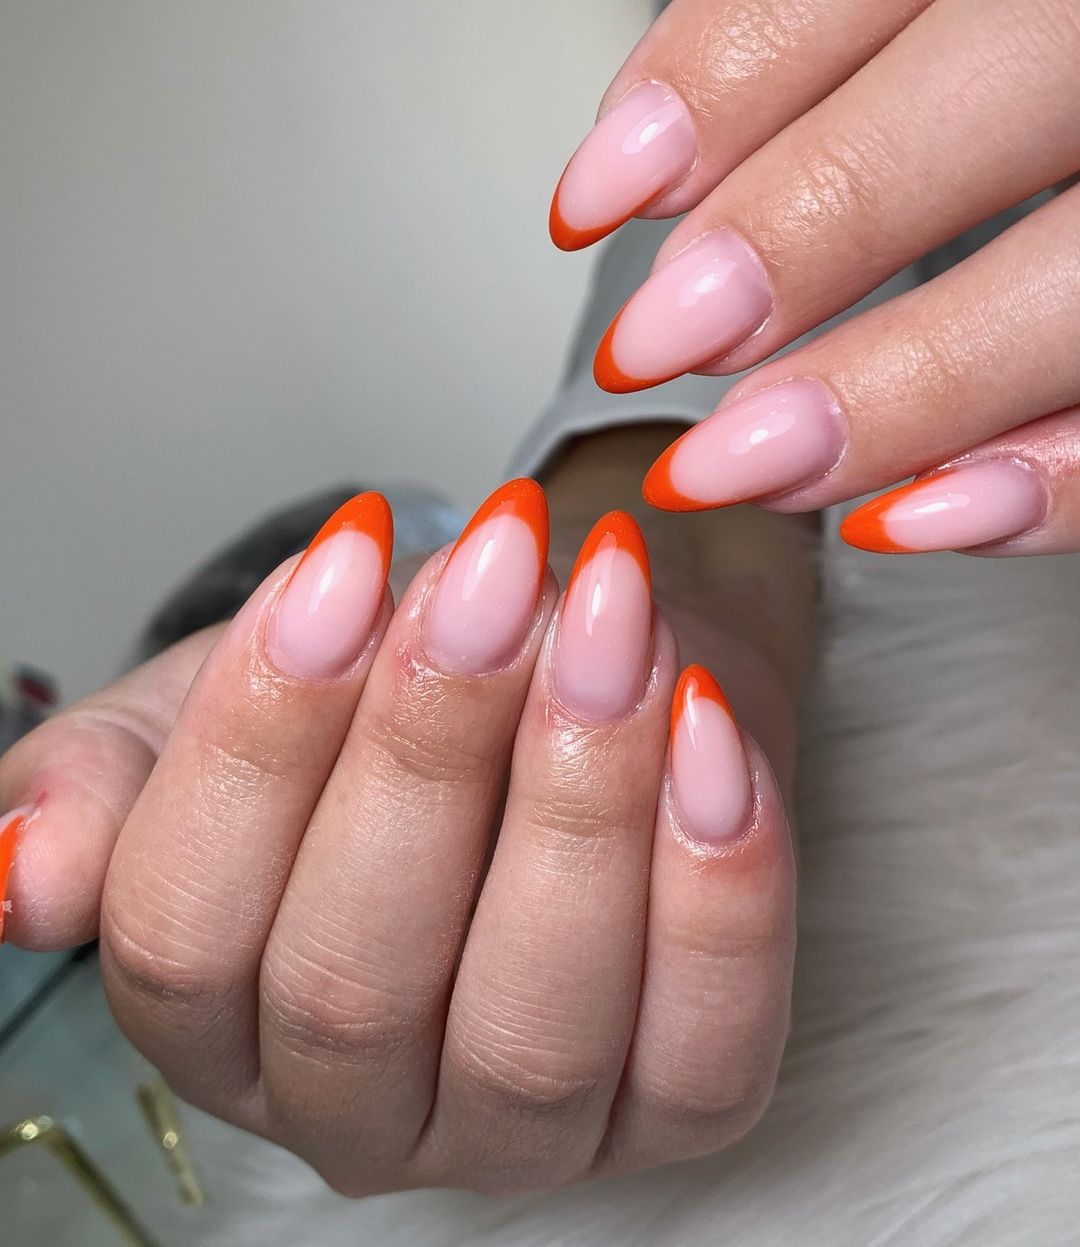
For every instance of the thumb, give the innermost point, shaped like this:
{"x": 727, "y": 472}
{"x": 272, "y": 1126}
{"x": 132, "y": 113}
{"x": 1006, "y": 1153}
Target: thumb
{"x": 70, "y": 784}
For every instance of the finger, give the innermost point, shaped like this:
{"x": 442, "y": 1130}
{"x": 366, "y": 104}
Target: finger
{"x": 544, "y": 1001}
{"x": 876, "y": 176}
{"x": 707, "y": 86}
{"x": 986, "y": 347}
{"x": 358, "y": 967}
{"x": 1017, "y": 494}
{"x": 719, "y": 949}
{"x": 70, "y": 784}
{"x": 203, "y": 858}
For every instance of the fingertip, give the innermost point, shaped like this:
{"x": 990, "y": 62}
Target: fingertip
{"x": 658, "y": 488}
{"x": 865, "y": 528}
{"x": 607, "y": 373}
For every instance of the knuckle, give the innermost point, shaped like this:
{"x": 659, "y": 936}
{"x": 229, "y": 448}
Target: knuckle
{"x": 834, "y": 189}
{"x": 162, "y": 971}
{"x": 731, "y": 50}
{"x": 504, "y": 1061}
{"x": 422, "y": 738}
{"x": 929, "y": 358}
{"x": 759, "y": 938}
{"x": 716, "y": 1111}
{"x": 574, "y": 818}
{"x": 318, "y": 1008}
{"x": 520, "y": 1087}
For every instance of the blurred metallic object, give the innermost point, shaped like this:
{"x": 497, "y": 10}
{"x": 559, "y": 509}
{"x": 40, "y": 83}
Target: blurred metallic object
{"x": 159, "y": 1108}
{"x": 56, "y": 1139}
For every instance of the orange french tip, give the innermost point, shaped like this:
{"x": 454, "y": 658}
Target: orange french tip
{"x": 607, "y": 373}
{"x": 609, "y": 376}
{"x": 369, "y": 514}
{"x": 694, "y": 683}
{"x": 865, "y": 528}
{"x": 620, "y": 529}
{"x": 658, "y": 490}
{"x": 9, "y": 834}
{"x": 525, "y": 500}
{"x": 567, "y": 237}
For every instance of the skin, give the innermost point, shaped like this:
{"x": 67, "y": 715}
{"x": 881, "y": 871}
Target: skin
{"x": 372, "y": 1004}
{"x": 843, "y": 140}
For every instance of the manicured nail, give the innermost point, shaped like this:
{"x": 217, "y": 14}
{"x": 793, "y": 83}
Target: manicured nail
{"x": 954, "y": 509}
{"x": 11, "y": 828}
{"x": 697, "y": 308}
{"x": 488, "y": 591}
{"x": 767, "y": 443}
{"x": 646, "y": 145}
{"x": 709, "y": 774}
{"x": 326, "y": 612}
{"x": 605, "y": 630}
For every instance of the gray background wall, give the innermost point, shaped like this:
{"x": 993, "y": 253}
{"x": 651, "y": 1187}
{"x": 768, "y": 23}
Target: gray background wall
{"x": 252, "y": 247}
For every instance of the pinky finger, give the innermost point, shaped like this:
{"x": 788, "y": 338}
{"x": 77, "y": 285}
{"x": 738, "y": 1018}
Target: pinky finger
{"x": 1017, "y": 494}
{"x": 720, "y": 944}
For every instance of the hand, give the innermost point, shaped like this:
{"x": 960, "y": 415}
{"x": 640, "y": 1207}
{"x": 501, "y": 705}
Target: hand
{"x": 298, "y": 927}
{"x": 820, "y": 147}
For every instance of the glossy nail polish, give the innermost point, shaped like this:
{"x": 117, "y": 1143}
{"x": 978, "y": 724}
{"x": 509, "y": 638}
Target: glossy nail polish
{"x": 488, "y": 592}
{"x": 954, "y": 509}
{"x": 326, "y": 612}
{"x": 709, "y": 299}
{"x": 605, "y": 628}
{"x": 643, "y": 147}
{"x": 11, "y": 828}
{"x": 767, "y": 443}
{"x": 709, "y": 775}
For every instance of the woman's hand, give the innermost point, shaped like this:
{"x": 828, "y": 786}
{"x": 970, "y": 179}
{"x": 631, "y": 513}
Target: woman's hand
{"x": 819, "y": 147}
{"x": 424, "y": 895}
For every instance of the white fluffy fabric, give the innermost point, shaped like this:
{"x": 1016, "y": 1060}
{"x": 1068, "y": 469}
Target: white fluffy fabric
{"x": 931, "y": 1091}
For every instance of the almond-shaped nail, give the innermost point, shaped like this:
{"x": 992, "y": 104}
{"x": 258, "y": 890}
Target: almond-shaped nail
{"x": 488, "y": 592}
{"x": 325, "y": 614}
{"x": 605, "y": 628}
{"x": 644, "y": 146}
{"x": 706, "y": 301}
{"x": 11, "y": 828}
{"x": 767, "y": 443}
{"x": 710, "y": 778}
{"x": 954, "y": 509}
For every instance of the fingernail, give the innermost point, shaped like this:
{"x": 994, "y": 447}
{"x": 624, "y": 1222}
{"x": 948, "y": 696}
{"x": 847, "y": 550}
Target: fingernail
{"x": 954, "y": 509}
{"x": 488, "y": 591}
{"x": 644, "y": 146}
{"x": 326, "y": 612}
{"x": 697, "y": 308}
{"x": 605, "y": 630}
{"x": 767, "y": 443}
{"x": 709, "y": 774}
{"x": 11, "y": 828}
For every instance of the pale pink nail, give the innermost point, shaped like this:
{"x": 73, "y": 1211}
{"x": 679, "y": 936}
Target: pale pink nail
{"x": 709, "y": 774}
{"x": 644, "y": 146}
{"x": 605, "y": 630}
{"x": 488, "y": 592}
{"x": 954, "y": 509}
{"x": 326, "y": 612}
{"x": 767, "y": 443}
{"x": 705, "y": 302}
